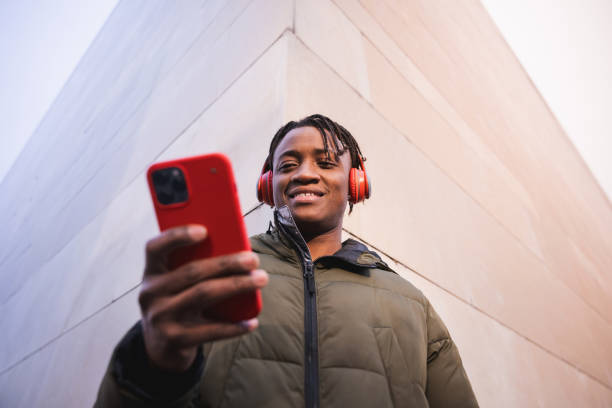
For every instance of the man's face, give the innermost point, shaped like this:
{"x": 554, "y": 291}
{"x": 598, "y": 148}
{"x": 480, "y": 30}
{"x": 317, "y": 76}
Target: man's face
{"x": 313, "y": 186}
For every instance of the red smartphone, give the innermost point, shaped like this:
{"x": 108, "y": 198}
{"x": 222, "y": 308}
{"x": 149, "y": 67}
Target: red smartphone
{"x": 202, "y": 190}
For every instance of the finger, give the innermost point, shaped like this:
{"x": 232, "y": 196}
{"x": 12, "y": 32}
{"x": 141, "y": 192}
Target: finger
{"x": 210, "y": 331}
{"x": 211, "y": 291}
{"x": 197, "y": 271}
{"x": 158, "y": 248}
{"x": 157, "y": 285}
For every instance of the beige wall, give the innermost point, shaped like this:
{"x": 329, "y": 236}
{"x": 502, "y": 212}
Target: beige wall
{"x": 479, "y": 198}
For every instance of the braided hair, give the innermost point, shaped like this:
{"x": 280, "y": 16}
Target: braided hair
{"x": 341, "y": 139}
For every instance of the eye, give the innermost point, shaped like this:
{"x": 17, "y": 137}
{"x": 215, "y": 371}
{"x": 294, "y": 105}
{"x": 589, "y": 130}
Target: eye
{"x": 286, "y": 166}
{"x": 326, "y": 164}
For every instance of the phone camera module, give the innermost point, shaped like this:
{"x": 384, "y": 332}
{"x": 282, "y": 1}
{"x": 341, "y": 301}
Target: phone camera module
{"x": 170, "y": 186}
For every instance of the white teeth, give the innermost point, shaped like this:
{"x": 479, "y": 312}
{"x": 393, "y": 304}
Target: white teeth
{"x": 306, "y": 195}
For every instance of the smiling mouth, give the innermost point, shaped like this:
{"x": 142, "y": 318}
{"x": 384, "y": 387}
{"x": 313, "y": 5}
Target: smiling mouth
{"x": 305, "y": 195}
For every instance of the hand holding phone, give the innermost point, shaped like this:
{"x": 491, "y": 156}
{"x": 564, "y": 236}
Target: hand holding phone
{"x": 201, "y": 282}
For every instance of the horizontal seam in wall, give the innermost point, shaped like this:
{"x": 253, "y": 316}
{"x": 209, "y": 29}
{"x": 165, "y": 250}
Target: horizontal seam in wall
{"x": 139, "y": 174}
{"x": 141, "y": 103}
{"x": 455, "y": 182}
{"x": 565, "y": 134}
{"x": 493, "y": 318}
{"x": 31, "y": 354}
{"x": 93, "y": 314}
{"x": 64, "y": 332}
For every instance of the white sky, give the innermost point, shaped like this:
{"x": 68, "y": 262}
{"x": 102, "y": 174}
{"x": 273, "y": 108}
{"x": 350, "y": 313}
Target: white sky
{"x": 41, "y": 42}
{"x": 564, "y": 45}
{"x": 566, "y": 48}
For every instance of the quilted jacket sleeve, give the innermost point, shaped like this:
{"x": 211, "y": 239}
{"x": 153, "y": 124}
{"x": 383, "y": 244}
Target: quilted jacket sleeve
{"x": 447, "y": 383}
{"x": 130, "y": 381}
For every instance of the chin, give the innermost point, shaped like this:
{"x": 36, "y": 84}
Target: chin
{"x": 311, "y": 220}
{"x": 306, "y": 215}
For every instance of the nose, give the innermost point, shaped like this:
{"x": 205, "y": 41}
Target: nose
{"x": 306, "y": 173}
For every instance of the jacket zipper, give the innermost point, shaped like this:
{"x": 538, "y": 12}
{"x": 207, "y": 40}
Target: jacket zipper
{"x": 311, "y": 357}
{"x": 284, "y": 220}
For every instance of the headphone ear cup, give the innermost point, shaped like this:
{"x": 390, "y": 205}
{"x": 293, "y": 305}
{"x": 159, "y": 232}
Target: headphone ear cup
{"x": 264, "y": 188}
{"x": 353, "y": 186}
{"x": 270, "y": 189}
{"x": 360, "y": 186}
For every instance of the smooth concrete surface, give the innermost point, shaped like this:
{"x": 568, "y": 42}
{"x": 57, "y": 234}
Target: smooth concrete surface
{"x": 572, "y": 215}
{"x": 67, "y": 371}
{"x": 473, "y": 165}
{"x": 111, "y": 246}
{"x": 478, "y": 198}
{"x": 193, "y": 84}
{"x": 516, "y": 372}
{"x": 445, "y": 235}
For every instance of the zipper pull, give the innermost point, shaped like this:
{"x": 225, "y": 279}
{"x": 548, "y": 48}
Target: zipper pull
{"x": 309, "y": 275}
{"x": 310, "y": 283}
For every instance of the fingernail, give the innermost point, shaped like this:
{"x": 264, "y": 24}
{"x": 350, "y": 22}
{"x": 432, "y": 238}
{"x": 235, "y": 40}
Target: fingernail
{"x": 249, "y": 324}
{"x": 259, "y": 276}
{"x": 196, "y": 232}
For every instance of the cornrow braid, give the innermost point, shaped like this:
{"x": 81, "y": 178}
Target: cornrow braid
{"x": 342, "y": 141}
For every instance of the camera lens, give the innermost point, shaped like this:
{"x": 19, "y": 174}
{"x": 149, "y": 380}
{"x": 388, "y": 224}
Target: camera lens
{"x": 169, "y": 185}
{"x": 165, "y": 198}
{"x": 160, "y": 177}
{"x": 178, "y": 185}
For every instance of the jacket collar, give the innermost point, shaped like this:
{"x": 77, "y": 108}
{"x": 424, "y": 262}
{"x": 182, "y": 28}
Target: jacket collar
{"x": 353, "y": 255}
{"x": 286, "y": 225}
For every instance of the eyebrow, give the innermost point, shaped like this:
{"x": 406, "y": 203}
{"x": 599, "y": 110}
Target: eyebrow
{"x": 298, "y": 155}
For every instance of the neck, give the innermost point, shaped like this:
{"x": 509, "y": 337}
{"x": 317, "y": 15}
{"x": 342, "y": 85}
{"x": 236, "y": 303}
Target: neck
{"x": 327, "y": 243}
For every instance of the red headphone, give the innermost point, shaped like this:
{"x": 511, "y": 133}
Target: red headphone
{"x": 360, "y": 185}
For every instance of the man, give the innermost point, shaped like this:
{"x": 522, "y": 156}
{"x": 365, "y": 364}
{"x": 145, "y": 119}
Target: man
{"x": 338, "y": 326}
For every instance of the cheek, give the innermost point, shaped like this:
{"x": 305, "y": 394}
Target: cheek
{"x": 342, "y": 186}
{"x": 278, "y": 186}
{"x": 345, "y": 182}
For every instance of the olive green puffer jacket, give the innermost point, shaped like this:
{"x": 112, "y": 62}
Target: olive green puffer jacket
{"x": 343, "y": 331}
